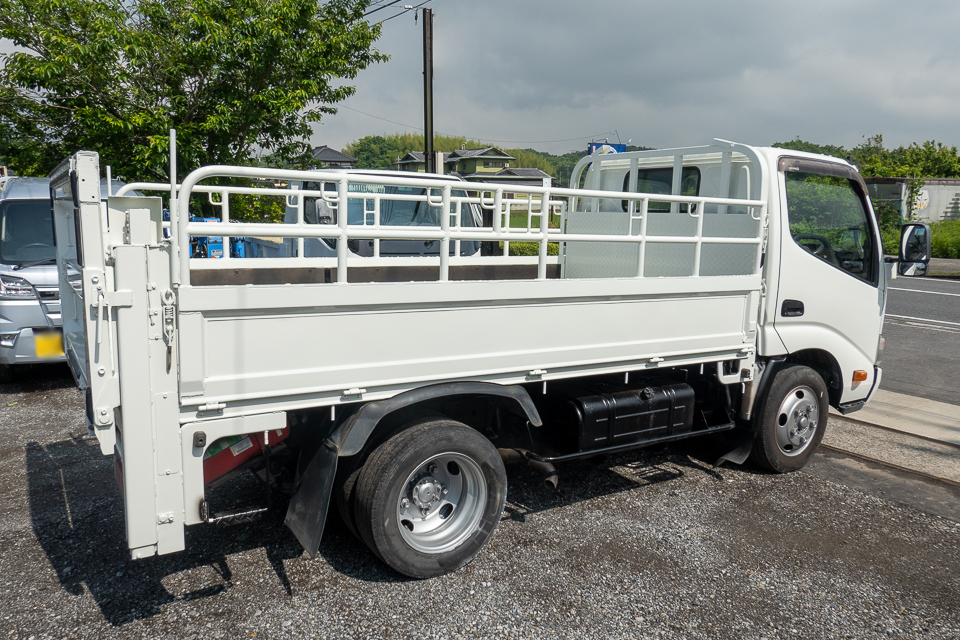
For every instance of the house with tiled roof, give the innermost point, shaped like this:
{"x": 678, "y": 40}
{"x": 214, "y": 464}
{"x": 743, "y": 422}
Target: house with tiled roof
{"x": 487, "y": 164}
{"x": 464, "y": 162}
{"x": 326, "y": 158}
{"x": 517, "y": 175}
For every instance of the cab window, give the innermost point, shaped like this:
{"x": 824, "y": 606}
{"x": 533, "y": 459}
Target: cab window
{"x": 661, "y": 181}
{"x": 828, "y": 219}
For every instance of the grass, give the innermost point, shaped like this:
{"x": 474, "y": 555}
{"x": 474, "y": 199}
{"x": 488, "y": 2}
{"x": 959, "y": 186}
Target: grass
{"x": 531, "y": 249}
{"x": 945, "y": 239}
{"x": 518, "y": 220}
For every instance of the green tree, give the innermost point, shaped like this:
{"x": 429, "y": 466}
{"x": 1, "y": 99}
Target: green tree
{"x": 812, "y": 147}
{"x": 232, "y": 76}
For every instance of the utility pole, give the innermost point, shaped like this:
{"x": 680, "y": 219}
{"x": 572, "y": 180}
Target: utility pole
{"x": 431, "y": 161}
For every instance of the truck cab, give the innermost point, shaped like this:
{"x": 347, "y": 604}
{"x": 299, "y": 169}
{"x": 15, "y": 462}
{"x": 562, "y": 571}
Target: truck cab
{"x": 824, "y": 273}
{"x": 719, "y": 289}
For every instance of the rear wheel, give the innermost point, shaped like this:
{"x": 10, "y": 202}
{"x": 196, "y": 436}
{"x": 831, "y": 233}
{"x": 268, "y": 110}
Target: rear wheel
{"x": 429, "y": 498}
{"x": 792, "y": 420}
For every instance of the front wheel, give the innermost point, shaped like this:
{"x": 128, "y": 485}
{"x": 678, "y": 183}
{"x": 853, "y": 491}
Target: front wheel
{"x": 429, "y": 498}
{"x": 792, "y": 420}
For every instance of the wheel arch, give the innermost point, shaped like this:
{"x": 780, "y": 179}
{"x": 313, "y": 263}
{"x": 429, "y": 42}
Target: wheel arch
{"x": 352, "y": 435}
{"x": 820, "y": 360}
{"x": 826, "y": 365}
{"x": 307, "y": 511}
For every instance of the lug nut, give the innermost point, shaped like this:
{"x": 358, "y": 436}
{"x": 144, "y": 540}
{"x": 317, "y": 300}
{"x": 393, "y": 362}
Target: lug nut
{"x": 433, "y": 469}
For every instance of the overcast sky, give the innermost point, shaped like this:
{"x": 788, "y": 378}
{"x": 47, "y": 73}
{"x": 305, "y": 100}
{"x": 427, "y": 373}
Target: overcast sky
{"x": 520, "y": 73}
{"x": 525, "y": 72}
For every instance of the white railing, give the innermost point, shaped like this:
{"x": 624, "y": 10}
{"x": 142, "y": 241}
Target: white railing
{"x": 436, "y": 192}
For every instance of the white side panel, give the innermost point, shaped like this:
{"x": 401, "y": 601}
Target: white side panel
{"x": 387, "y": 337}
{"x": 191, "y": 354}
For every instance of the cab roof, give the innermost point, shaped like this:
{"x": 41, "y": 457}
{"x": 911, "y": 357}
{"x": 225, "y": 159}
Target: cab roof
{"x": 19, "y": 188}
{"x": 22, "y": 188}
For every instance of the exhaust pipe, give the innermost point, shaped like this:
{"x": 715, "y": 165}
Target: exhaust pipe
{"x": 517, "y": 456}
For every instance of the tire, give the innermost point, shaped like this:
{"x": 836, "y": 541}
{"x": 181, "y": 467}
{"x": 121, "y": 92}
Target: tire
{"x": 429, "y": 498}
{"x": 793, "y": 419}
{"x": 348, "y": 472}
{"x": 343, "y": 493}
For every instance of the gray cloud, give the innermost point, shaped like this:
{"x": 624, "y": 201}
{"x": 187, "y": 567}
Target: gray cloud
{"x": 665, "y": 74}
{"x": 670, "y": 73}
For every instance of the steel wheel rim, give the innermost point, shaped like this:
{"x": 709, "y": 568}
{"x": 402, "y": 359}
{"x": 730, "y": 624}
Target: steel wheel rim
{"x": 441, "y": 503}
{"x": 797, "y": 420}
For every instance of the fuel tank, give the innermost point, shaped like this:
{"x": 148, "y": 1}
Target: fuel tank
{"x": 581, "y": 416}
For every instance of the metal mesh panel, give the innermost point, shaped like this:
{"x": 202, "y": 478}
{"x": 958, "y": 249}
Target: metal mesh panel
{"x": 730, "y": 226}
{"x": 668, "y": 260}
{"x": 727, "y": 259}
{"x": 671, "y": 224}
{"x": 600, "y": 259}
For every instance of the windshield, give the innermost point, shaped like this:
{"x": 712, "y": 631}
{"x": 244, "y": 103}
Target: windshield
{"x": 393, "y": 213}
{"x": 26, "y": 231}
{"x": 416, "y": 213}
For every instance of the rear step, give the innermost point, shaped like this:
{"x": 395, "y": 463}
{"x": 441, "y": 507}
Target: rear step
{"x": 229, "y": 518}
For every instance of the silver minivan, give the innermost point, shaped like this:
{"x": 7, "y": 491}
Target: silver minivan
{"x": 30, "y": 324}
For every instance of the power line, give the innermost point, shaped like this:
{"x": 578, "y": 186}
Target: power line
{"x": 480, "y": 138}
{"x": 405, "y": 10}
{"x": 409, "y": 126}
{"x": 384, "y": 6}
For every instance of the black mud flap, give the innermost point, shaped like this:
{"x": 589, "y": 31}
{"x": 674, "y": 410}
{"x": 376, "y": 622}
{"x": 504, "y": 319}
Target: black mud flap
{"x": 307, "y": 512}
{"x": 739, "y": 454}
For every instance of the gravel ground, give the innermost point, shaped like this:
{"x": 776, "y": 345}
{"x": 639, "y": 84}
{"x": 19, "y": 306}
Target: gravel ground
{"x": 653, "y": 544}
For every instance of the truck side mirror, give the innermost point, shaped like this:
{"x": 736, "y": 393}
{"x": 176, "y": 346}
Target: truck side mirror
{"x": 914, "y": 249}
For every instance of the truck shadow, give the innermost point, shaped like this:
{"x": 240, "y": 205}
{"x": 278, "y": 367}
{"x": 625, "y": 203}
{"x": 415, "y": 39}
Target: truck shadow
{"x": 77, "y": 517}
{"x": 639, "y": 469}
{"x": 30, "y": 378}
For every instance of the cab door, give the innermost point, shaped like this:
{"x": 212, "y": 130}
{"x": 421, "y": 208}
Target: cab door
{"x": 831, "y": 289}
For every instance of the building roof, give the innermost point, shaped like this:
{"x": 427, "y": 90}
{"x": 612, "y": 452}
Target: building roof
{"x": 323, "y": 153}
{"x": 415, "y": 157}
{"x": 486, "y": 152}
{"x": 519, "y": 174}
{"x": 523, "y": 172}
{"x": 949, "y": 182}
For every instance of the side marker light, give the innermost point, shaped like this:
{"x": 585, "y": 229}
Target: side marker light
{"x": 859, "y": 376}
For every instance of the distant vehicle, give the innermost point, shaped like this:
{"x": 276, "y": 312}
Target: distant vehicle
{"x": 29, "y": 287}
{"x": 401, "y": 213}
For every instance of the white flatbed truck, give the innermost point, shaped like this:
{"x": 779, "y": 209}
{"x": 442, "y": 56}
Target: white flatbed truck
{"x": 693, "y": 291}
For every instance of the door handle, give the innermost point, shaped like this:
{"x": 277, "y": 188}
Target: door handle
{"x": 791, "y": 309}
